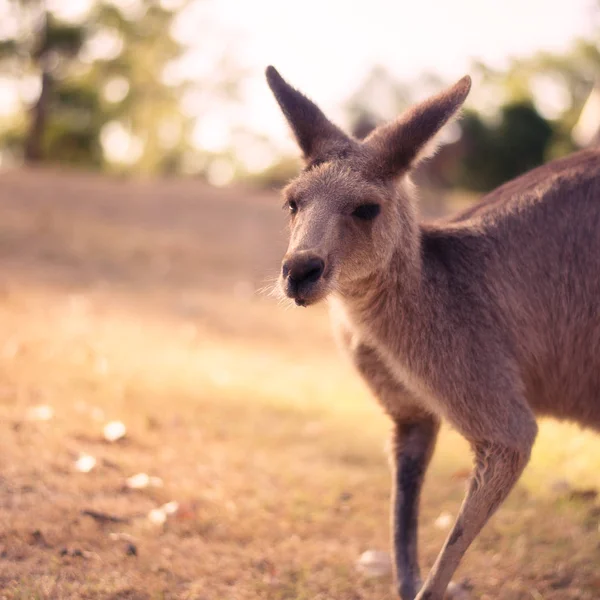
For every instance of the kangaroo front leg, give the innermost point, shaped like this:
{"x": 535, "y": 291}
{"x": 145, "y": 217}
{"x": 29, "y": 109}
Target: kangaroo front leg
{"x": 414, "y": 437}
{"x": 413, "y": 445}
{"x": 497, "y": 468}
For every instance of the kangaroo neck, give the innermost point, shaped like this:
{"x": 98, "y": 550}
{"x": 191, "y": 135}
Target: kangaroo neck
{"x": 390, "y": 302}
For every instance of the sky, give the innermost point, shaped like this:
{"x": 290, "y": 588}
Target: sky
{"x": 325, "y": 47}
{"x": 327, "y": 44}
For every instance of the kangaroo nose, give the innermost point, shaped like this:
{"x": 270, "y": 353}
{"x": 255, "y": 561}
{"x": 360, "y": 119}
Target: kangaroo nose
{"x": 303, "y": 269}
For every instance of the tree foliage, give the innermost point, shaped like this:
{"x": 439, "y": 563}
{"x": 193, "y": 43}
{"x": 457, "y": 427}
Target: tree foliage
{"x": 538, "y": 101}
{"x": 102, "y": 74}
{"x": 493, "y": 154}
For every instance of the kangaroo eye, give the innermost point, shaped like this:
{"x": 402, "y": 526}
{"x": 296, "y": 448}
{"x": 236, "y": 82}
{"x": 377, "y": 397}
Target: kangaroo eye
{"x": 293, "y": 207}
{"x": 366, "y": 212}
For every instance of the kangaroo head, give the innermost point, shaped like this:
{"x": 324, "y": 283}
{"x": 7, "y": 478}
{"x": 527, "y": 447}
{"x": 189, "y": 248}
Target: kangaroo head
{"x": 351, "y": 207}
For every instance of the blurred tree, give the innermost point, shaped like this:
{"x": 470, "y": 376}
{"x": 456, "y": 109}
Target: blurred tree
{"x": 532, "y": 108}
{"x": 136, "y": 98}
{"x": 493, "y": 154}
{"x": 42, "y": 45}
{"x": 558, "y": 85}
{"x": 100, "y": 94}
{"x": 520, "y": 141}
{"x": 379, "y": 97}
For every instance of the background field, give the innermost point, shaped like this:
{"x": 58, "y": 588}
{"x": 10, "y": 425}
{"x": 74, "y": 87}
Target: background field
{"x": 137, "y": 302}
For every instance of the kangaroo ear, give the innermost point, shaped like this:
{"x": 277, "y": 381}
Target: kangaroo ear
{"x": 398, "y": 146}
{"x": 316, "y": 135}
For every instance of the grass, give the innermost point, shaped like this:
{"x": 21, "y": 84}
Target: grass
{"x": 134, "y": 301}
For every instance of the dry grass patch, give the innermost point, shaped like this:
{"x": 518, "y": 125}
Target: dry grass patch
{"x": 127, "y": 302}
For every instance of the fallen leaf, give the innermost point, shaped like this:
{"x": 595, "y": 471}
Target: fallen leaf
{"x": 104, "y": 517}
{"x": 586, "y": 495}
{"x": 37, "y": 539}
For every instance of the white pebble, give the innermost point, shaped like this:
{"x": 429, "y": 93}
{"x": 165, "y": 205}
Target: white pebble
{"x": 143, "y": 480}
{"x": 139, "y": 481}
{"x": 85, "y": 463}
{"x": 43, "y": 412}
{"x": 157, "y": 516}
{"x": 374, "y": 563}
{"x": 443, "y": 521}
{"x": 456, "y": 591}
{"x": 114, "y": 431}
{"x": 171, "y": 507}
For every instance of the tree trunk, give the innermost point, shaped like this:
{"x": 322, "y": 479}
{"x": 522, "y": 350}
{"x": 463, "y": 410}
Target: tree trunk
{"x": 39, "y": 115}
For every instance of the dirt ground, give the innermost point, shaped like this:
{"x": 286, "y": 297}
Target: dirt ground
{"x": 137, "y": 302}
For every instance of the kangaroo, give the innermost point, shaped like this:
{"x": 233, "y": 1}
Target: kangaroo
{"x": 486, "y": 319}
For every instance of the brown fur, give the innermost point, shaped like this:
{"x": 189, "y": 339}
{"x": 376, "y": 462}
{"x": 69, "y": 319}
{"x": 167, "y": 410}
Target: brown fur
{"x": 486, "y": 319}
